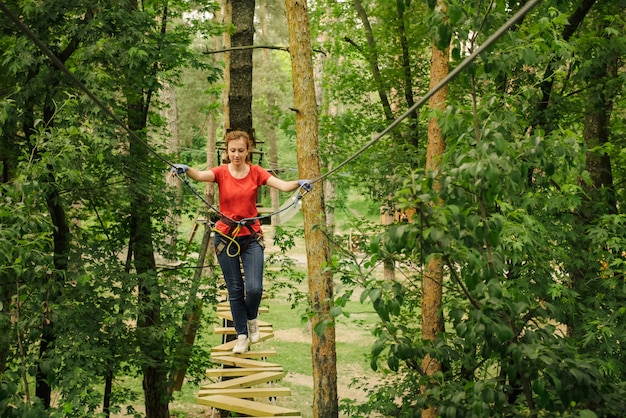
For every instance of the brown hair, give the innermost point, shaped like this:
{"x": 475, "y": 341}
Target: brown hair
{"x": 233, "y": 135}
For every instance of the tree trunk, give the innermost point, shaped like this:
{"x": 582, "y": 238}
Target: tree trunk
{"x": 172, "y": 144}
{"x": 372, "y": 58}
{"x": 227, "y": 7}
{"x": 324, "y": 357}
{"x": 599, "y": 197}
{"x": 240, "y": 92}
{"x": 142, "y": 249}
{"x": 61, "y": 241}
{"x": 432, "y": 319}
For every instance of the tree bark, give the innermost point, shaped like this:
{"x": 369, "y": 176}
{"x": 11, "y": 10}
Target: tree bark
{"x": 432, "y": 318}
{"x": 324, "y": 358}
{"x": 599, "y": 198}
{"x": 240, "y": 92}
{"x": 372, "y": 58}
{"x": 142, "y": 249}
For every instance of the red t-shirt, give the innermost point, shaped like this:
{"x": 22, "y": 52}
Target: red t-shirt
{"x": 238, "y": 196}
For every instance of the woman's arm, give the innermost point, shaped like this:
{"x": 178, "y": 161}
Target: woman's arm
{"x": 201, "y": 175}
{"x": 287, "y": 186}
{"x": 282, "y": 185}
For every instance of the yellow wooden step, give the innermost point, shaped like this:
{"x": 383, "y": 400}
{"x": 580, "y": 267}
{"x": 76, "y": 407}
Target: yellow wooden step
{"x": 266, "y": 392}
{"x": 226, "y": 314}
{"x": 244, "y": 406}
{"x": 247, "y": 354}
{"x": 240, "y": 371}
{"x": 221, "y": 308}
{"x": 226, "y": 304}
{"x": 246, "y": 381}
{"x": 230, "y": 344}
{"x": 236, "y": 361}
{"x": 231, "y": 330}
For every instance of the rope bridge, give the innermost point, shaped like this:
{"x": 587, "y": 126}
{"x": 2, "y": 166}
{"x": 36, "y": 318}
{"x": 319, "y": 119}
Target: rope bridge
{"x": 244, "y": 383}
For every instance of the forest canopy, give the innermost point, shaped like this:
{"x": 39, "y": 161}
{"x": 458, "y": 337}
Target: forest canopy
{"x": 523, "y": 210}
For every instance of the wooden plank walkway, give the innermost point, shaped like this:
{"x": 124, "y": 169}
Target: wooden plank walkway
{"x": 245, "y": 383}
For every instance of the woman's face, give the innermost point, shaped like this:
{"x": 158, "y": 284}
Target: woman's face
{"x": 238, "y": 151}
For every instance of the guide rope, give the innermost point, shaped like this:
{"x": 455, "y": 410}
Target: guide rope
{"x": 59, "y": 64}
{"x": 292, "y": 202}
{"x": 451, "y": 75}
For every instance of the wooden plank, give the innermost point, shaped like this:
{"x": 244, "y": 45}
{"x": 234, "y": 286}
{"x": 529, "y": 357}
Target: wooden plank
{"x": 231, "y": 330}
{"x": 244, "y": 406}
{"x": 236, "y": 361}
{"x": 226, "y": 314}
{"x": 240, "y": 371}
{"x": 248, "y": 354}
{"x": 266, "y": 392}
{"x": 229, "y": 345}
{"x": 226, "y": 308}
{"x": 247, "y": 381}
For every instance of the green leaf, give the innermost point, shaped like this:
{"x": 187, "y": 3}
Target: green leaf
{"x": 504, "y": 333}
{"x": 335, "y": 311}
{"x": 378, "y": 347}
{"x": 393, "y": 363}
{"x": 320, "y": 327}
{"x": 374, "y": 294}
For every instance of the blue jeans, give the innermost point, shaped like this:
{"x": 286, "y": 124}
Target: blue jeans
{"x": 244, "y": 295}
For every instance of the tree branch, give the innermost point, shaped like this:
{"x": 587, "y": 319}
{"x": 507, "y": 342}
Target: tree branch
{"x": 241, "y": 48}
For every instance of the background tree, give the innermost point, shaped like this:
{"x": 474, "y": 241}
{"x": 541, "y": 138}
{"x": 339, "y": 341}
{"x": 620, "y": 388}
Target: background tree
{"x": 530, "y": 228}
{"x": 80, "y": 319}
{"x": 323, "y": 350}
{"x": 502, "y": 235}
{"x": 432, "y": 282}
{"x": 240, "y": 62}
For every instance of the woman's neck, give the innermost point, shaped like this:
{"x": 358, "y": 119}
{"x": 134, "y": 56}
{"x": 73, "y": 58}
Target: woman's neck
{"x": 238, "y": 170}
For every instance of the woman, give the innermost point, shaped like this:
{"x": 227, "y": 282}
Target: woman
{"x": 241, "y": 243}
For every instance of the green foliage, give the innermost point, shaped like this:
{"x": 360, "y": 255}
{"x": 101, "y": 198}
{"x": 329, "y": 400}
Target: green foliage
{"x": 69, "y": 179}
{"x": 504, "y": 347}
{"x": 533, "y": 255}
{"x": 532, "y": 301}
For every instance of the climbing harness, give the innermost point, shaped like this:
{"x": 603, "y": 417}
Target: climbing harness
{"x": 228, "y": 241}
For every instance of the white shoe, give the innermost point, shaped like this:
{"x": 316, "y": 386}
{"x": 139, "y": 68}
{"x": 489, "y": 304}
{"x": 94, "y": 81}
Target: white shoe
{"x": 242, "y": 344}
{"x": 253, "y": 331}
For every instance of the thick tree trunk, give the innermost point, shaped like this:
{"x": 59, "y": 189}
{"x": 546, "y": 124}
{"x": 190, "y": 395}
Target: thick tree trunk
{"x": 600, "y": 198}
{"x": 155, "y": 382}
{"x": 61, "y": 238}
{"x": 240, "y": 92}
{"x": 325, "y": 401}
{"x": 432, "y": 319}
